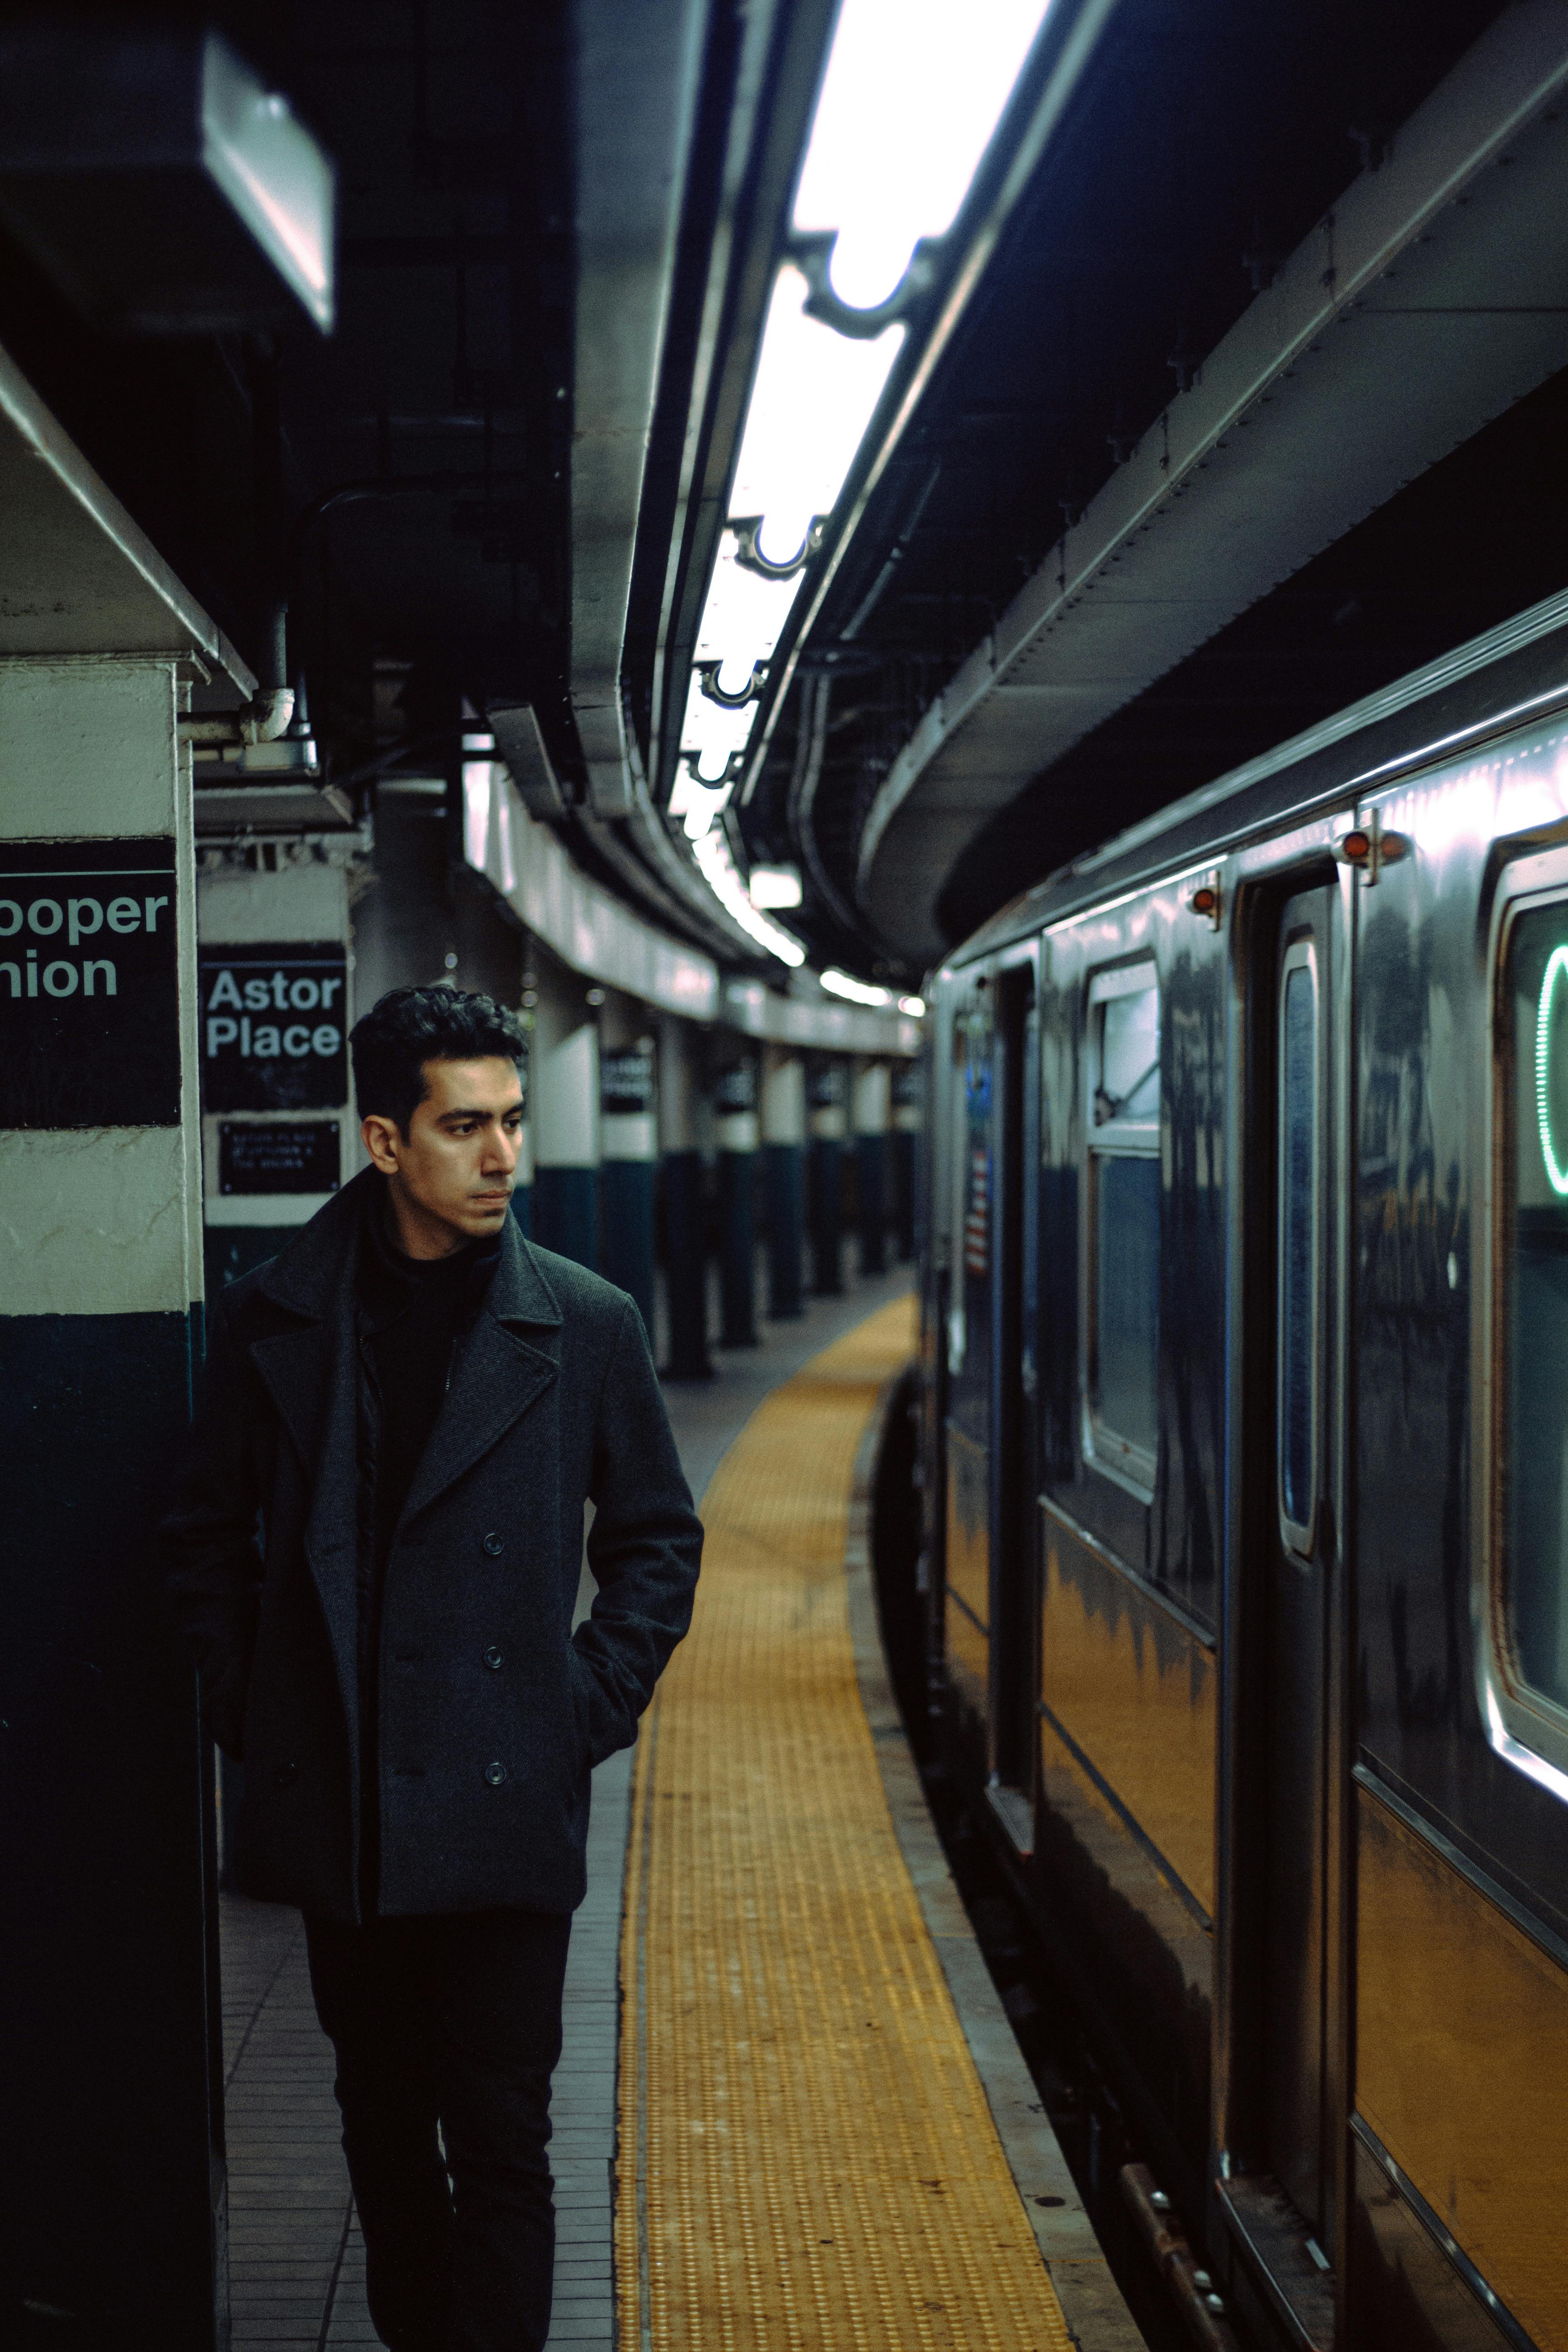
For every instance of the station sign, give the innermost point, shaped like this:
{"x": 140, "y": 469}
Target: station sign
{"x": 279, "y": 1156}
{"x": 89, "y": 984}
{"x": 735, "y": 1090}
{"x": 274, "y": 1026}
{"x": 626, "y": 1082}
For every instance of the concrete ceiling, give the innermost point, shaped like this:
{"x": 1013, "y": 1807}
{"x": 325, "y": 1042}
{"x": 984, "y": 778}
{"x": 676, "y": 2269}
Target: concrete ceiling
{"x": 1433, "y": 296}
{"x": 76, "y": 572}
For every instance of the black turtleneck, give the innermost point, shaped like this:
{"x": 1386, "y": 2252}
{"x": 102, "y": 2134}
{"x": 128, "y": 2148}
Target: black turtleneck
{"x": 418, "y": 1309}
{"x": 415, "y": 1312}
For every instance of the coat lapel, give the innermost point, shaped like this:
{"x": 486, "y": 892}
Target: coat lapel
{"x": 495, "y": 1379}
{"x": 311, "y": 1375}
{"x": 496, "y": 1375}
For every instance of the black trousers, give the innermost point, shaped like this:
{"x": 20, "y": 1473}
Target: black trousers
{"x": 448, "y": 2024}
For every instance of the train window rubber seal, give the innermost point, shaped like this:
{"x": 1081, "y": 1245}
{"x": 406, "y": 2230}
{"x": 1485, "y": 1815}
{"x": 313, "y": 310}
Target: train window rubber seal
{"x": 1110, "y": 1139}
{"x": 1525, "y": 1728}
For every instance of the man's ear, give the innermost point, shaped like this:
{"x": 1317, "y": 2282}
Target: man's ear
{"x": 381, "y": 1141}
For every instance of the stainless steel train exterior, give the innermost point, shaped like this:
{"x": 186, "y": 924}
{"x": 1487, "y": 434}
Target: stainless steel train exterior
{"x": 1245, "y": 1443}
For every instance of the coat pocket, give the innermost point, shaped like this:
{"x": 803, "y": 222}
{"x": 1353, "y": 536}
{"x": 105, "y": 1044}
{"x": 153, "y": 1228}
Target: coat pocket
{"x": 584, "y": 1691}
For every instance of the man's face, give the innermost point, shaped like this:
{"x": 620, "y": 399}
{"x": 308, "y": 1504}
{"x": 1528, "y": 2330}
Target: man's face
{"x": 451, "y": 1177}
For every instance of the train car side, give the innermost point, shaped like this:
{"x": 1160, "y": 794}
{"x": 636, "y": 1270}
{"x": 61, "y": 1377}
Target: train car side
{"x": 1246, "y": 1408}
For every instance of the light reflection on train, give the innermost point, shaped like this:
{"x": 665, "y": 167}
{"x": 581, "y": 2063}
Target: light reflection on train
{"x": 1243, "y": 1401}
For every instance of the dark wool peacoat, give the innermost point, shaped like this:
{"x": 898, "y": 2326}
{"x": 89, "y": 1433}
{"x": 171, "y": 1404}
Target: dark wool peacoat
{"x": 492, "y": 1713}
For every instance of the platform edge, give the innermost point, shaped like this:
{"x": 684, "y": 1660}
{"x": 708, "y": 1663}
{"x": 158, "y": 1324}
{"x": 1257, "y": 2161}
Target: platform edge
{"x": 1096, "y": 2317}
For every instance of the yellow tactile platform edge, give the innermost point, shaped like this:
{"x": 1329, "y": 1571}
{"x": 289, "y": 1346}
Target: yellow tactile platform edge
{"x": 806, "y": 2153}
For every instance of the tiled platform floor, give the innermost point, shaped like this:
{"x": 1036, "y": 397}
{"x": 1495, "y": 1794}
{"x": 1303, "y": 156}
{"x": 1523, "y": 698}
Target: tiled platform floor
{"x": 297, "y": 2262}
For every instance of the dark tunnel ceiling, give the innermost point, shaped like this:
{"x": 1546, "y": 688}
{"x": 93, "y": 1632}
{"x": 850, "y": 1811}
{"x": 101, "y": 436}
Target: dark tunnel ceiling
{"x": 1480, "y": 538}
{"x": 1208, "y": 143}
{"x": 449, "y": 125}
{"x": 1207, "y": 139}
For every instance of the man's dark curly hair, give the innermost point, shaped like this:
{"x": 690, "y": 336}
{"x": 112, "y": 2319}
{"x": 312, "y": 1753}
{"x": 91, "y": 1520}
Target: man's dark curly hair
{"x": 410, "y": 1027}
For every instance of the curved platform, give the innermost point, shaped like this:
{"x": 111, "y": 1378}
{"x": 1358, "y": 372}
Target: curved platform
{"x": 807, "y": 2153}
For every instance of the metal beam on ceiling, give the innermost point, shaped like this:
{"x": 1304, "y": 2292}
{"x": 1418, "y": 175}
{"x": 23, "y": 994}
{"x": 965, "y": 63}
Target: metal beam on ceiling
{"x": 638, "y": 80}
{"x": 1429, "y": 301}
{"x": 638, "y": 74}
{"x": 70, "y": 548}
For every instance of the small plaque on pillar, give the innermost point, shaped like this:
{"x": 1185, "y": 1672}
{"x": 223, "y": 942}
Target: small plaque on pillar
{"x": 279, "y": 1156}
{"x": 626, "y": 1081}
{"x": 89, "y": 984}
{"x": 735, "y": 1090}
{"x": 273, "y": 1026}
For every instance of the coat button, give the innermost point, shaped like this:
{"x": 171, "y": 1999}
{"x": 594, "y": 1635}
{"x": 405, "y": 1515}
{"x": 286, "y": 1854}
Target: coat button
{"x": 494, "y": 1658}
{"x": 495, "y": 1774}
{"x": 493, "y": 1545}
{"x": 285, "y": 1775}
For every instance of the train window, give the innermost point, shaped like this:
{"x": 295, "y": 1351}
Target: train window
{"x": 1532, "y": 1453}
{"x": 969, "y": 1195}
{"x": 1299, "y": 1244}
{"x": 1122, "y": 1387}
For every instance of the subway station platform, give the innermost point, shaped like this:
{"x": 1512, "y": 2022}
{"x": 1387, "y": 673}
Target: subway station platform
{"x": 789, "y": 2109}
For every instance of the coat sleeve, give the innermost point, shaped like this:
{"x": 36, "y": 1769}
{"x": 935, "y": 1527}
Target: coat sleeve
{"x": 208, "y": 1536}
{"x": 644, "y": 1548}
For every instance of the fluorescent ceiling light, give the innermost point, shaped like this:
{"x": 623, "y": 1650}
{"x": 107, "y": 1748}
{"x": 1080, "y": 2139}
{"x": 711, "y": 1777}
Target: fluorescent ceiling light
{"x": 774, "y": 885}
{"x": 915, "y": 1006}
{"x": 713, "y": 856}
{"x": 815, "y": 394}
{"x": 743, "y": 617}
{"x": 913, "y": 90}
{"x": 272, "y": 171}
{"x": 911, "y": 95}
{"x": 710, "y": 733}
{"x": 858, "y": 991}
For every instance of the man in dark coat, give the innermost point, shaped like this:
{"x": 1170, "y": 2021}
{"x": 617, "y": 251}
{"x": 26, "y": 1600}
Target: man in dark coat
{"x": 374, "y": 1546}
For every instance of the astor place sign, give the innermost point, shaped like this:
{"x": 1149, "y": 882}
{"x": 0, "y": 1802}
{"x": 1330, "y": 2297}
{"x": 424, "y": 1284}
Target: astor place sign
{"x": 273, "y": 1026}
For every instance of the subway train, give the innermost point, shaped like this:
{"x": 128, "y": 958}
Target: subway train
{"x": 1243, "y": 1443}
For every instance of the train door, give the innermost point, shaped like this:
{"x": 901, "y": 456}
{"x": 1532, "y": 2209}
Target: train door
{"x": 968, "y": 1433}
{"x": 1014, "y": 1605}
{"x": 1298, "y": 1561}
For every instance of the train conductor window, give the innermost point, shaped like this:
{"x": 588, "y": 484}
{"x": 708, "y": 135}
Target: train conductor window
{"x": 1122, "y": 1387}
{"x": 1531, "y": 1605}
{"x": 1296, "y": 1416}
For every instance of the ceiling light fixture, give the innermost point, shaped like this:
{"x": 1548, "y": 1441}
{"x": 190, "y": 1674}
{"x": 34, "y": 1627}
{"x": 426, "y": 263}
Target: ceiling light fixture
{"x": 774, "y": 885}
{"x": 712, "y": 852}
{"x": 912, "y": 92}
{"x": 857, "y": 991}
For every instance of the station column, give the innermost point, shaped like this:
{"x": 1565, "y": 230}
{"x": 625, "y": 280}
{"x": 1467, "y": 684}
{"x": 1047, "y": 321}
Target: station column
{"x": 871, "y": 1163}
{"x": 565, "y": 1080}
{"x": 735, "y": 1132}
{"x": 783, "y": 1151}
{"x": 113, "y": 2211}
{"x": 680, "y": 1176}
{"x": 629, "y": 1144}
{"x": 274, "y": 1020}
{"x": 827, "y": 1091}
